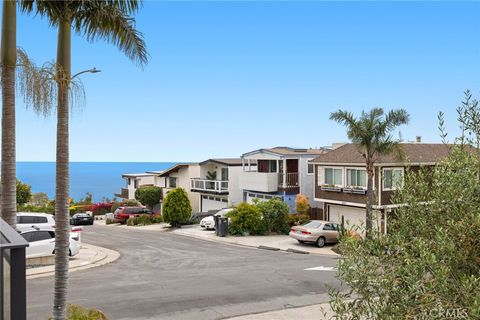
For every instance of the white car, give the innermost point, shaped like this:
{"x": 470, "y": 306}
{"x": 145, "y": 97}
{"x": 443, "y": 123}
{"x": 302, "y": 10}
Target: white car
{"x": 42, "y": 242}
{"x": 40, "y": 220}
{"x": 209, "y": 222}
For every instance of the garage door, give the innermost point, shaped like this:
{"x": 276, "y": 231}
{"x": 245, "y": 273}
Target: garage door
{"x": 250, "y": 196}
{"x": 354, "y": 217}
{"x": 213, "y": 203}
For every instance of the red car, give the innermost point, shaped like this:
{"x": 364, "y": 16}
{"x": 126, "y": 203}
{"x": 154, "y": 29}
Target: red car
{"x": 122, "y": 214}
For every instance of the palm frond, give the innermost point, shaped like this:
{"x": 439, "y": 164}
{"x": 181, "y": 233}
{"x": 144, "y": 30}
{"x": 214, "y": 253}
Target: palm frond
{"x": 108, "y": 22}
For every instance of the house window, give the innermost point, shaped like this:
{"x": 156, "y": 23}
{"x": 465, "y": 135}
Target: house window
{"x": 392, "y": 178}
{"x": 135, "y": 183}
{"x": 224, "y": 174}
{"x": 310, "y": 168}
{"x": 357, "y": 178}
{"x": 333, "y": 176}
{"x": 172, "y": 182}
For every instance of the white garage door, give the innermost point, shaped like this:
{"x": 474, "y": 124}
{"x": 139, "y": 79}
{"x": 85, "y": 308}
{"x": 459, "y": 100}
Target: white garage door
{"x": 250, "y": 196}
{"x": 354, "y": 217}
{"x": 213, "y": 203}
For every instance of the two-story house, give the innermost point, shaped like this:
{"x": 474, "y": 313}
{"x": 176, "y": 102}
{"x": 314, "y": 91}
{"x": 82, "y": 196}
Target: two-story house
{"x": 179, "y": 176}
{"x": 341, "y": 180}
{"x": 280, "y": 172}
{"x": 132, "y": 182}
{"x": 218, "y": 184}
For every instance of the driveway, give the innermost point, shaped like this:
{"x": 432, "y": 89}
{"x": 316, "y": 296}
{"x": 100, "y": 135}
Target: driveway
{"x": 161, "y": 275}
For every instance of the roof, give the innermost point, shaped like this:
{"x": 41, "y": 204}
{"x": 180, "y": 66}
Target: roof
{"x": 225, "y": 161}
{"x": 175, "y": 168}
{"x": 286, "y": 151}
{"x": 412, "y": 153}
{"x": 134, "y": 175}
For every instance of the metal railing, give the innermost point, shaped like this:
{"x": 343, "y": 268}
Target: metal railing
{"x": 12, "y": 274}
{"x": 216, "y": 186}
{"x": 288, "y": 180}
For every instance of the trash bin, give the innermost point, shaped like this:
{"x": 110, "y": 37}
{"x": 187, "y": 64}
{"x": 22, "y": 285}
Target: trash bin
{"x": 222, "y": 227}
{"x": 215, "y": 219}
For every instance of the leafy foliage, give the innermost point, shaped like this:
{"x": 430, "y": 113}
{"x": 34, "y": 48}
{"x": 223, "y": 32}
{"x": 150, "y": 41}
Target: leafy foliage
{"x": 39, "y": 199}
{"x": 246, "y": 218}
{"x": 76, "y": 312}
{"x": 429, "y": 262}
{"x": 274, "y": 215}
{"x": 149, "y": 195}
{"x": 297, "y": 219}
{"x": 176, "y": 207}
{"x": 301, "y": 204}
{"x": 24, "y": 193}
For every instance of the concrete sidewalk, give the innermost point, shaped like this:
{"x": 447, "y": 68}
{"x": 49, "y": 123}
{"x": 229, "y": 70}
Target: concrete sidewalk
{"x": 90, "y": 256}
{"x": 274, "y": 242}
{"x": 313, "y": 312}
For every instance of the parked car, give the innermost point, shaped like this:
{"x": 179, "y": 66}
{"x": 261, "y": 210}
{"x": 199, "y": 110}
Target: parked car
{"x": 42, "y": 242}
{"x": 81, "y": 218}
{"x": 209, "y": 222}
{"x": 316, "y": 231}
{"x": 122, "y": 214}
{"x": 29, "y": 219}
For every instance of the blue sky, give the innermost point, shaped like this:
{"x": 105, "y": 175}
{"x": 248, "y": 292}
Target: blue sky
{"x": 225, "y": 78}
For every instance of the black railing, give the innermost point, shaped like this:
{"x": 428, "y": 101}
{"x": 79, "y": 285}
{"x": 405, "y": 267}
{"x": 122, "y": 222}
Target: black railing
{"x": 13, "y": 287}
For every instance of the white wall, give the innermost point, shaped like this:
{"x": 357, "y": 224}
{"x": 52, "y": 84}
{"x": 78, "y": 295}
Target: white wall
{"x": 235, "y": 192}
{"x": 259, "y": 181}
{"x": 183, "y": 176}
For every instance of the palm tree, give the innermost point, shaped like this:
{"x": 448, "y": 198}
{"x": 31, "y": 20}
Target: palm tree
{"x": 371, "y": 133}
{"x": 9, "y": 62}
{"x": 31, "y": 83}
{"x": 108, "y": 20}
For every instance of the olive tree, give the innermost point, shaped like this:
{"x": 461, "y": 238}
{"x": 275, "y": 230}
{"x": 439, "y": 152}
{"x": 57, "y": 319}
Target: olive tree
{"x": 176, "y": 207}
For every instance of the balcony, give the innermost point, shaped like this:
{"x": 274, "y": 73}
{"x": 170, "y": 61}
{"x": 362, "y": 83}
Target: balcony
{"x": 13, "y": 290}
{"x": 259, "y": 181}
{"x": 288, "y": 181}
{"x": 123, "y": 193}
{"x": 209, "y": 186}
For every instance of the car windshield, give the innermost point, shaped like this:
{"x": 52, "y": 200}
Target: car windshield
{"x": 312, "y": 224}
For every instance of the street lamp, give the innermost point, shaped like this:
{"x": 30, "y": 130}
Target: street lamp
{"x": 94, "y": 70}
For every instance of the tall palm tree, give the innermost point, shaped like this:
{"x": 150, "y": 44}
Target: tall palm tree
{"x": 9, "y": 62}
{"x": 371, "y": 133}
{"x": 31, "y": 84}
{"x": 107, "y": 20}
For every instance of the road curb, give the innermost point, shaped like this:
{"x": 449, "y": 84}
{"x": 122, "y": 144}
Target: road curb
{"x": 104, "y": 256}
{"x": 268, "y": 248}
{"x": 297, "y": 251}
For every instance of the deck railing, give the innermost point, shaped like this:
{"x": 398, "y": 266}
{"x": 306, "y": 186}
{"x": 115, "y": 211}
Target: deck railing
{"x": 216, "y": 186}
{"x": 288, "y": 180}
{"x": 12, "y": 274}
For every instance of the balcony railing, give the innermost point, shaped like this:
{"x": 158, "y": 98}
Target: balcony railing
{"x": 13, "y": 287}
{"x": 211, "y": 186}
{"x": 288, "y": 180}
{"x": 123, "y": 193}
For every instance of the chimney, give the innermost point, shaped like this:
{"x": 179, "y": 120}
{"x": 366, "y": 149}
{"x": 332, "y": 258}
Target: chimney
{"x": 418, "y": 139}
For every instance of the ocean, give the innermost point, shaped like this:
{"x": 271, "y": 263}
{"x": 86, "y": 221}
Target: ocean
{"x": 102, "y": 179}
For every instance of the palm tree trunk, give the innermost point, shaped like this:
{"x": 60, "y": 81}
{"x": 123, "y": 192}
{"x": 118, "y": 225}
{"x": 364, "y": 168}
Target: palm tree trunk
{"x": 62, "y": 175}
{"x": 8, "y": 61}
{"x": 368, "y": 219}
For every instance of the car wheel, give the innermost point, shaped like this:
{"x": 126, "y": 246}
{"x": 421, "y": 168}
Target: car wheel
{"x": 320, "y": 242}
{"x": 301, "y": 241}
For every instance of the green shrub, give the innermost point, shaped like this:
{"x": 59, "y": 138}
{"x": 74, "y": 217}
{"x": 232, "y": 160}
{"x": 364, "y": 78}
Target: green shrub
{"x": 246, "y": 218}
{"x": 109, "y": 221}
{"x": 144, "y": 220}
{"x": 176, "y": 207}
{"x": 76, "y": 312}
{"x": 157, "y": 219}
{"x": 72, "y": 210}
{"x": 149, "y": 195}
{"x": 132, "y": 221}
{"x": 274, "y": 215}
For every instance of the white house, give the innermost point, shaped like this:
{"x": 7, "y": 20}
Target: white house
{"x": 179, "y": 176}
{"x": 280, "y": 172}
{"x": 134, "y": 181}
{"x": 218, "y": 184}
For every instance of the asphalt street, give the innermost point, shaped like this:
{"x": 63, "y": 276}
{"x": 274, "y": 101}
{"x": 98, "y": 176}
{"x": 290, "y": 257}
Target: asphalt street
{"x": 161, "y": 275}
